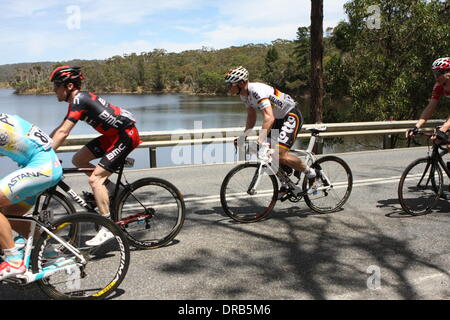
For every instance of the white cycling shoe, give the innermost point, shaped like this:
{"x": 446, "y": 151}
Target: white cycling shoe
{"x": 101, "y": 237}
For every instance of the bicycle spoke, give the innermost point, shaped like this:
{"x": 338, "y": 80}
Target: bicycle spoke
{"x": 248, "y": 193}
{"x": 420, "y": 187}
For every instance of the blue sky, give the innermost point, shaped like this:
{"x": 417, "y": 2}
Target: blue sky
{"x": 58, "y": 30}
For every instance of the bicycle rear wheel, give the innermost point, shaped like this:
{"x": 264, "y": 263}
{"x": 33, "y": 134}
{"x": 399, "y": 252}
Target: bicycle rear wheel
{"x": 420, "y": 187}
{"x": 335, "y": 185}
{"x": 58, "y": 207}
{"x": 104, "y": 266}
{"x": 248, "y": 192}
{"x": 151, "y": 212}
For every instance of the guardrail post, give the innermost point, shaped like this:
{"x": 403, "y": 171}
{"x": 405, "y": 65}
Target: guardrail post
{"x": 387, "y": 141}
{"x": 152, "y": 151}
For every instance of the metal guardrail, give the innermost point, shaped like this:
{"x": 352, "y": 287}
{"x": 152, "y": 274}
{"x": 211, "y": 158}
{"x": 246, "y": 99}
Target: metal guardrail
{"x": 154, "y": 139}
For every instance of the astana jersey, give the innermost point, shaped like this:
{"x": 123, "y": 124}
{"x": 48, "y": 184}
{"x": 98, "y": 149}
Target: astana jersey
{"x": 21, "y": 140}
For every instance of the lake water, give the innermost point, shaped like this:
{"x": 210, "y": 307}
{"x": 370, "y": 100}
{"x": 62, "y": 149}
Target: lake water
{"x": 155, "y": 113}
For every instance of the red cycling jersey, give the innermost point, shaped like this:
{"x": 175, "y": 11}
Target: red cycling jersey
{"x": 439, "y": 91}
{"x": 102, "y": 116}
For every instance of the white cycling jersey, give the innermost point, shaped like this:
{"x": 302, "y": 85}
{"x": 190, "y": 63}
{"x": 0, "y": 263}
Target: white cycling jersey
{"x": 262, "y": 96}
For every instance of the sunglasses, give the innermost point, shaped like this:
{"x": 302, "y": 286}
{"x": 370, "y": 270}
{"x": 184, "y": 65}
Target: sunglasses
{"x": 231, "y": 85}
{"x": 438, "y": 73}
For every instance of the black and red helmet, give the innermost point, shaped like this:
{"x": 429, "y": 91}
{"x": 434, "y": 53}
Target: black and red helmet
{"x": 65, "y": 74}
{"x": 441, "y": 66}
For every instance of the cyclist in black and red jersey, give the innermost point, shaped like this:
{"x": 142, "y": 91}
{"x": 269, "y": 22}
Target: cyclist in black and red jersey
{"x": 117, "y": 126}
{"x": 441, "y": 71}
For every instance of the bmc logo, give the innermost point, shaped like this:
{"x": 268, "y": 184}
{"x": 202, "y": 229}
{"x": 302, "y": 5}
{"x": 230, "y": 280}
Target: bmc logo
{"x": 110, "y": 119}
{"x": 115, "y": 152}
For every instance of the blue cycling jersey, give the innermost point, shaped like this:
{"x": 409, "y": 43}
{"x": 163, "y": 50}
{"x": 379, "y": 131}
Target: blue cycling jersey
{"x": 21, "y": 140}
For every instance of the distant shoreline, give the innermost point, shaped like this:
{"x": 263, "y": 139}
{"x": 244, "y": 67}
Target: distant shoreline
{"x": 34, "y": 93}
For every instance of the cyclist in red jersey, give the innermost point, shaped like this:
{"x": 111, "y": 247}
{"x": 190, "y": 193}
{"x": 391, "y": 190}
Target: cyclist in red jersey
{"x": 441, "y": 71}
{"x": 119, "y": 135}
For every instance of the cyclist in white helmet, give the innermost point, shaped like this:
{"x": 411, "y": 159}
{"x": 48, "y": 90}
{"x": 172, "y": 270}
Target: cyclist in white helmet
{"x": 279, "y": 113}
{"x": 441, "y": 71}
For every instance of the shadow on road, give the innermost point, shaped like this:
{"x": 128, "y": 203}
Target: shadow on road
{"x": 317, "y": 257}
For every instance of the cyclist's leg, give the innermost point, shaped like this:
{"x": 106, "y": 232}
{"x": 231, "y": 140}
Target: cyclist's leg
{"x": 121, "y": 146}
{"x": 288, "y": 132}
{"x": 117, "y": 148}
{"x": 83, "y": 157}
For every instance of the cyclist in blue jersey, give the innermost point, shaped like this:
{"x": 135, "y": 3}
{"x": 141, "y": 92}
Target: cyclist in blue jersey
{"x": 31, "y": 149}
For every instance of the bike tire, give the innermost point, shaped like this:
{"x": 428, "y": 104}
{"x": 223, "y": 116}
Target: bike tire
{"x": 59, "y": 205}
{"x": 330, "y": 199}
{"x": 419, "y": 199}
{"x": 151, "y": 212}
{"x": 238, "y": 203}
{"x": 105, "y": 268}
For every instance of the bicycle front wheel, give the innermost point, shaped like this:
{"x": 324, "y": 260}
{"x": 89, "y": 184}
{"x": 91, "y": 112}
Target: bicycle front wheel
{"x": 248, "y": 192}
{"x": 334, "y": 185}
{"x": 73, "y": 270}
{"x": 420, "y": 187}
{"x": 151, "y": 212}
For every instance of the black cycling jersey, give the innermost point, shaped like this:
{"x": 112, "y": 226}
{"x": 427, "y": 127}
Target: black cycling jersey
{"x": 102, "y": 116}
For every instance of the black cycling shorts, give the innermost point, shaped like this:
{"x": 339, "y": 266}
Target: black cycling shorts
{"x": 287, "y": 129}
{"x": 114, "y": 149}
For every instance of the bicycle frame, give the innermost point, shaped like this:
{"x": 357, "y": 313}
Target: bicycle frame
{"x": 280, "y": 175}
{"x": 59, "y": 266}
{"x": 73, "y": 194}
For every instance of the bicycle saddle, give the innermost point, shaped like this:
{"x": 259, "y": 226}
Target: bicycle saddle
{"x": 317, "y": 130}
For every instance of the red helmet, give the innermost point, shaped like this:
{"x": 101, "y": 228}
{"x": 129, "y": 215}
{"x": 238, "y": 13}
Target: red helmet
{"x": 64, "y": 74}
{"x": 441, "y": 66}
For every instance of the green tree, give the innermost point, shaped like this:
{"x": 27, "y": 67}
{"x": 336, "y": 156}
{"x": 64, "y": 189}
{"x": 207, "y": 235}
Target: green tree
{"x": 387, "y": 51}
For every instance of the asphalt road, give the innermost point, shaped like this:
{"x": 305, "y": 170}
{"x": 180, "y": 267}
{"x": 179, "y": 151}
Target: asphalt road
{"x": 370, "y": 250}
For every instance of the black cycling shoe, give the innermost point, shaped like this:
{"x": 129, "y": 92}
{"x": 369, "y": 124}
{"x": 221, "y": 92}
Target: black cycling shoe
{"x": 89, "y": 198}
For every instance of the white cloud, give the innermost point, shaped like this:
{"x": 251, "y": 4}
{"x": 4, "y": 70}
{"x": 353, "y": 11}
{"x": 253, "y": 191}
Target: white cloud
{"x": 130, "y": 11}
{"x": 24, "y": 8}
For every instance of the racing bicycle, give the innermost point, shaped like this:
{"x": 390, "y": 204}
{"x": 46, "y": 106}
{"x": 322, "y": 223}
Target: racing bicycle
{"x": 61, "y": 263}
{"x": 150, "y": 211}
{"x": 250, "y": 191}
{"x": 422, "y": 183}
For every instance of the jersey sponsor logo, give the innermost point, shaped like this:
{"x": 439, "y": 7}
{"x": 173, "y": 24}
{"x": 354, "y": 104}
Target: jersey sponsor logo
{"x": 288, "y": 127}
{"x": 276, "y": 101}
{"x": 110, "y": 119}
{"x": 102, "y": 101}
{"x": 4, "y": 118}
{"x": 4, "y": 139}
{"x": 24, "y": 176}
{"x": 114, "y": 153}
{"x": 256, "y": 96}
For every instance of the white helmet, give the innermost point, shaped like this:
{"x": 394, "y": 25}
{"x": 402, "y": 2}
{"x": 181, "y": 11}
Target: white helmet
{"x": 237, "y": 74}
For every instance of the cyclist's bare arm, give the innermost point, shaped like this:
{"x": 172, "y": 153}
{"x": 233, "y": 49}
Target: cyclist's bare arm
{"x": 427, "y": 113}
{"x": 251, "y": 118}
{"x": 60, "y": 134}
{"x": 268, "y": 120}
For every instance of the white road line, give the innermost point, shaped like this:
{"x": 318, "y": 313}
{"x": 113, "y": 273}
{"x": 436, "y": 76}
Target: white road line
{"x": 263, "y": 193}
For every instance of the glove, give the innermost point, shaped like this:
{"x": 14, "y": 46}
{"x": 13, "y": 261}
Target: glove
{"x": 441, "y": 136}
{"x": 264, "y": 152}
{"x": 413, "y": 131}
